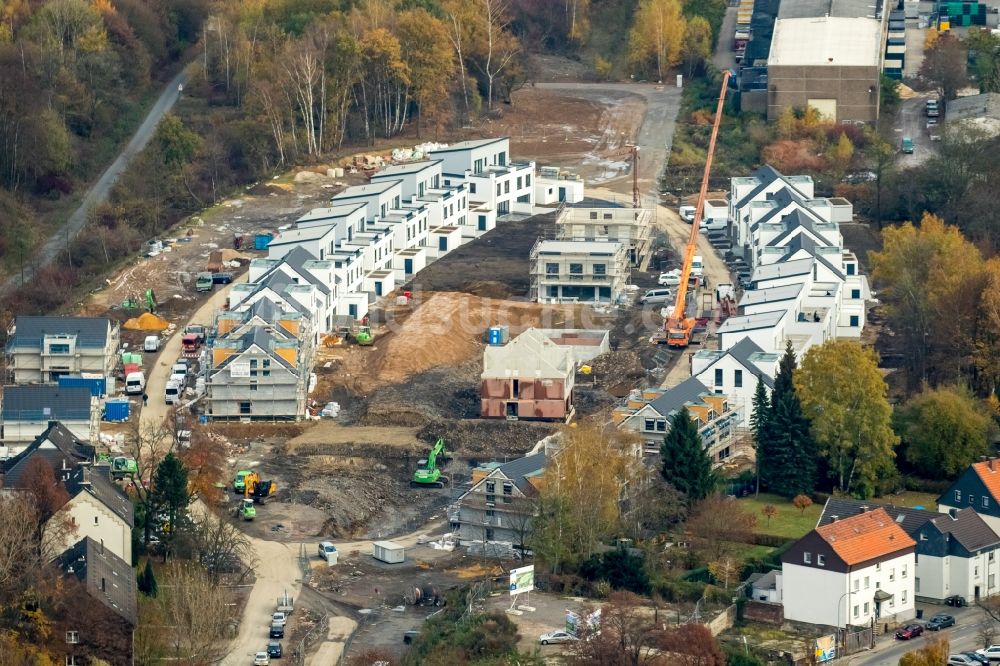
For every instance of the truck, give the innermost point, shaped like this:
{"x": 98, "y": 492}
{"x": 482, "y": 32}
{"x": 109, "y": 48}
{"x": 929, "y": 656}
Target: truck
{"x": 428, "y": 474}
{"x": 198, "y": 330}
{"x": 190, "y": 344}
{"x": 120, "y": 465}
{"x": 204, "y": 282}
{"x": 222, "y": 278}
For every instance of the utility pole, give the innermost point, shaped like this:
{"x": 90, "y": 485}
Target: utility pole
{"x": 634, "y": 150}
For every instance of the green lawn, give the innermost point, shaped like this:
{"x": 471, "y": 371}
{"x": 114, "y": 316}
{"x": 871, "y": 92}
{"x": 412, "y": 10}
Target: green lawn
{"x": 909, "y": 498}
{"x": 788, "y": 522}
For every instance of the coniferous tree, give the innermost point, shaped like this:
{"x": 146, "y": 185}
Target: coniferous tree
{"x": 786, "y": 454}
{"x": 686, "y": 465}
{"x": 147, "y": 580}
{"x": 758, "y": 420}
{"x": 170, "y": 496}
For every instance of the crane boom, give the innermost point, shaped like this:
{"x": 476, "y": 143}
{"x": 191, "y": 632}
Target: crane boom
{"x": 678, "y": 326}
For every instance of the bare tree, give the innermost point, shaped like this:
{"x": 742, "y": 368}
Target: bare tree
{"x": 986, "y": 630}
{"x": 20, "y": 554}
{"x": 500, "y": 46}
{"x": 195, "y": 613}
{"x": 223, "y": 548}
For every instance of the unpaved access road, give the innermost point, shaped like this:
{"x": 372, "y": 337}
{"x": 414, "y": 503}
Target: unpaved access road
{"x": 99, "y": 191}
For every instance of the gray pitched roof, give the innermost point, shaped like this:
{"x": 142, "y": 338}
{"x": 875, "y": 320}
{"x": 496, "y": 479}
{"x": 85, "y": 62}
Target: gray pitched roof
{"x": 297, "y": 259}
{"x": 97, "y": 482}
{"x": 259, "y": 336}
{"x": 65, "y": 454}
{"x": 968, "y": 528}
{"x": 89, "y": 331}
{"x": 742, "y": 351}
{"x": 46, "y": 402}
{"x": 765, "y": 175}
{"x": 800, "y": 217}
{"x": 780, "y": 198}
{"x": 687, "y": 392}
{"x": 517, "y": 470}
{"x": 108, "y": 578}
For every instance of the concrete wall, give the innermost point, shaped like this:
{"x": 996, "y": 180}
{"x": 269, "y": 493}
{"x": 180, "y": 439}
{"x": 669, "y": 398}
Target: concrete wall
{"x": 762, "y": 611}
{"x": 793, "y": 86}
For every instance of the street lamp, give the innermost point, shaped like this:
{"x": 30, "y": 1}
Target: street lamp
{"x": 845, "y": 594}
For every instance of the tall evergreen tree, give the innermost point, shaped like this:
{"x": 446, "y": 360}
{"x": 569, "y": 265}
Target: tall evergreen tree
{"x": 685, "y": 462}
{"x": 170, "y": 496}
{"x": 786, "y": 452}
{"x": 146, "y": 581}
{"x": 758, "y": 420}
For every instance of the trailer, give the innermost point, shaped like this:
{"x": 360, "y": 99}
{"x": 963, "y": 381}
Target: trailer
{"x": 388, "y": 552}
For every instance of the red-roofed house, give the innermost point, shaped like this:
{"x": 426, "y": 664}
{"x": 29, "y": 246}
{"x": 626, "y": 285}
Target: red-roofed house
{"x": 978, "y": 488}
{"x": 851, "y": 571}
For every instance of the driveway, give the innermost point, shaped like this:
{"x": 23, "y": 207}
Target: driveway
{"x": 99, "y": 191}
{"x": 911, "y": 121}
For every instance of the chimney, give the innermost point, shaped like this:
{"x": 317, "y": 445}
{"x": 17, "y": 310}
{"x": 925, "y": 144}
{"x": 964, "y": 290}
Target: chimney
{"x": 991, "y": 464}
{"x": 864, "y": 508}
{"x": 834, "y": 519}
{"x": 953, "y": 513}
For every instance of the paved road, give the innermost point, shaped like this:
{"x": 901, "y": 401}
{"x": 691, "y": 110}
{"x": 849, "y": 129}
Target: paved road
{"x": 911, "y": 121}
{"x": 724, "y": 57}
{"x": 98, "y": 193}
{"x": 888, "y": 650}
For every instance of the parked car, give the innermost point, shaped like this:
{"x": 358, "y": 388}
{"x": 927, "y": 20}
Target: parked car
{"x": 961, "y": 660}
{"x": 906, "y": 146}
{"x": 992, "y": 652}
{"x": 940, "y": 621}
{"x": 279, "y": 618}
{"x": 274, "y": 649}
{"x": 261, "y": 659}
{"x": 978, "y": 658}
{"x": 656, "y": 297}
{"x": 909, "y": 631}
{"x": 277, "y": 631}
{"x": 687, "y": 213}
{"x": 670, "y": 278}
{"x": 559, "y": 636}
{"x": 956, "y": 600}
{"x": 933, "y": 111}
{"x": 222, "y": 278}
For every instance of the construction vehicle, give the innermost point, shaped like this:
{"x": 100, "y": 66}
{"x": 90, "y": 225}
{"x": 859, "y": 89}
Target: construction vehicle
{"x": 678, "y": 326}
{"x": 363, "y": 336}
{"x": 258, "y": 490}
{"x": 427, "y": 474}
{"x": 151, "y": 301}
{"x": 239, "y": 481}
{"x": 204, "y": 282}
{"x": 246, "y": 510}
{"x": 120, "y": 465}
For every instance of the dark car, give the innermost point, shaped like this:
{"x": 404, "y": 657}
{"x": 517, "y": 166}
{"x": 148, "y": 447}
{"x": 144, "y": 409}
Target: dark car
{"x": 975, "y": 656}
{"x": 274, "y": 649}
{"x": 277, "y": 631}
{"x": 222, "y": 278}
{"x": 940, "y": 621}
{"x": 909, "y": 631}
{"x": 956, "y": 601}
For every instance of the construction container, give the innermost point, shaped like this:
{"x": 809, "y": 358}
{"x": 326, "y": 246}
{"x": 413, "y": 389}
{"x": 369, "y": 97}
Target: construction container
{"x": 498, "y": 335}
{"x": 117, "y": 410}
{"x": 96, "y": 383}
{"x": 388, "y": 552}
{"x": 261, "y": 241}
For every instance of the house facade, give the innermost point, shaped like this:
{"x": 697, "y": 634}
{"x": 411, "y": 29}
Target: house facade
{"x": 97, "y": 510}
{"x": 531, "y": 377}
{"x": 502, "y": 502}
{"x": 578, "y": 271}
{"x": 734, "y": 372}
{"x": 630, "y": 226}
{"x": 41, "y": 349}
{"x": 956, "y": 553}
{"x": 853, "y": 571}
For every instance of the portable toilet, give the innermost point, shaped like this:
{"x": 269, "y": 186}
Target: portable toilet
{"x": 498, "y": 335}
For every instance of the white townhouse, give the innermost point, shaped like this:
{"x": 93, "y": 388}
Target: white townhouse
{"x": 759, "y": 186}
{"x": 496, "y": 183}
{"x": 379, "y": 197}
{"x": 852, "y": 571}
{"x": 734, "y": 372}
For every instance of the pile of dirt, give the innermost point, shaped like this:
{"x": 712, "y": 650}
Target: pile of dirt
{"x": 483, "y": 440}
{"x": 443, "y": 392}
{"x": 489, "y": 289}
{"x": 623, "y": 364}
{"x": 147, "y": 322}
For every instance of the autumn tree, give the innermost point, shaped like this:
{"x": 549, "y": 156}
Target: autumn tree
{"x": 580, "y": 493}
{"x": 930, "y": 280}
{"x": 205, "y": 463}
{"x": 786, "y": 454}
{"x": 657, "y": 36}
{"x": 944, "y": 430}
{"x": 718, "y": 522}
{"x": 692, "y": 645}
{"x": 802, "y": 502}
{"x": 726, "y": 570}
{"x": 428, "y": 55}
{"x": 685, "y": 463}
{"x": 697, "y": 44}
{"x": 986, "y": 345}
{"x": 195, "y": 615}
{"x": 844, "y": 393}
{"x": 984, "y": 48}
{"x": 21, "y": 557}
{"x": 769, "y": 511}
{"x": 934, "y": 651}
{"x": 944, "y": 66}
{"x": 627, "y": 637}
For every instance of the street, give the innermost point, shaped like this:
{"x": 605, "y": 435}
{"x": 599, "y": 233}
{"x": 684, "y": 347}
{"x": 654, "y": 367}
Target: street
{"x": 888, "y": 650}
{"x": 911, "y": 121}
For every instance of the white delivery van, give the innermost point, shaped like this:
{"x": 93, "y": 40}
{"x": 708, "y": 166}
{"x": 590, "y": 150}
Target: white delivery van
{"x": 135, "y": 382}
{"x": 179, "y": 371}
{"x": 172, "y": 393}
{"x": 151, "y": 343}
{"x": 697, "y": 266}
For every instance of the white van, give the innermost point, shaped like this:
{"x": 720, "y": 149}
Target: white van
{"x": 151, "y": 343}
{"x": 179, "y": 371}
{"x": 657, "y": 296}
{"x": 135, "y": 382}
{"x": 697, "y": 267}
{"x": 172, "y": 393}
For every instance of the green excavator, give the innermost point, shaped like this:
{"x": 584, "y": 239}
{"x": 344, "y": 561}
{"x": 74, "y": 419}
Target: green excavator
{"x": 246, "y": 509}
{"x": 120, "y": 465}
{"x": 428, "y": 474}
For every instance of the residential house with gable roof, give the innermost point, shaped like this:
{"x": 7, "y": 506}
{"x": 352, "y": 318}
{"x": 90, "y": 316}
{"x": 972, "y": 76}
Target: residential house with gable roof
{"x": 853, "y": 571}
{"x": 978, "y": 487}
{"x": 39, "y": 350}
{"x": 501, "y": 503}
{"x": 57, "y": 446}
{"x": 96, "y": 509}
{"x": 760, "y": 185}
{"x": 648, "y": 414}
{"x": 530, "y": 377}
{"x": 733, "y": 373}
{"x": 27, "y": 411}
{"x": 957, "y": 553}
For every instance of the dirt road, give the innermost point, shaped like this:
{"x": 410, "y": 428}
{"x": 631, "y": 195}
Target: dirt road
{"x": 156, "y": 382}
{"x": 98, "y": 193}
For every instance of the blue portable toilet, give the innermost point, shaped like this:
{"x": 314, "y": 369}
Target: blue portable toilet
{"x": 117, "y": 410}
{"x": 498, "y": 335}
{"x": 261, "y": 241}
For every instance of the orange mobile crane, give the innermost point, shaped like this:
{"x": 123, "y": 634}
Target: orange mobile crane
{"x": 678, "y": 326}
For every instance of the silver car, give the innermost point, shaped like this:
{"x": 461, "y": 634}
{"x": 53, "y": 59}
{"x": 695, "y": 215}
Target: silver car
{"x": 559, "y": 636}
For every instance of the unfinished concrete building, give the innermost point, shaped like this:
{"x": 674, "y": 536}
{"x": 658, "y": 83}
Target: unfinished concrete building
{"x": 578, "y": 271}
{"x": 632, "y": 227}
{"x": 531, "y": 377}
